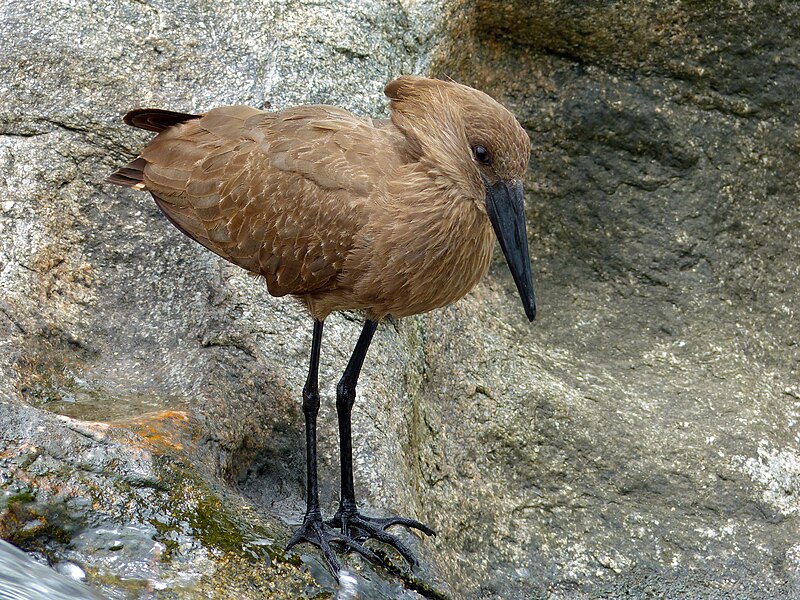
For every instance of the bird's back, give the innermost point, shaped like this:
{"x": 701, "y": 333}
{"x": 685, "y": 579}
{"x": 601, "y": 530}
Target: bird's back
{"x": 278, "y": 193}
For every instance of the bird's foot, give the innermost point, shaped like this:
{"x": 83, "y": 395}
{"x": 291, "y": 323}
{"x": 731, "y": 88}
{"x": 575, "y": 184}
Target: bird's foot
{"x": 360, "y": 528}
{"x": 315, "y": 531}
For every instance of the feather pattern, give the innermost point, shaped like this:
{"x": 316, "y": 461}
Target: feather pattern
{"x": 343, "y": 212}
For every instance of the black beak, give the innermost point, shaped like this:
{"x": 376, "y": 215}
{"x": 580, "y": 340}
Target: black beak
{"x": 506, "y": 207}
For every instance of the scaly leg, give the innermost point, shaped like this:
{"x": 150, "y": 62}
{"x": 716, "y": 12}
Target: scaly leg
{"x": 313, "y": 530}
{"x": 352, "y": 523}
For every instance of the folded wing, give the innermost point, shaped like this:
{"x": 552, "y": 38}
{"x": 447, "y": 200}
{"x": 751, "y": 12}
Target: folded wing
{"x": 277, "y": 193}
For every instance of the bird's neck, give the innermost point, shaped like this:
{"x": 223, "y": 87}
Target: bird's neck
{"x": 436, "y": 244}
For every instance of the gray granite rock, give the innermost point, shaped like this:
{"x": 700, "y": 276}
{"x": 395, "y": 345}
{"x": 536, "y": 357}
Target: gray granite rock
{"x": 109, "y": 313}
{"x": 640, "y": 439}
{"x": 656, "y": 450}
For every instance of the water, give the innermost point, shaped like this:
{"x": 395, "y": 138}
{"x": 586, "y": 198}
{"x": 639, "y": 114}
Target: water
{"x": 22, "y": 578}
{"x": 348, "y": 586}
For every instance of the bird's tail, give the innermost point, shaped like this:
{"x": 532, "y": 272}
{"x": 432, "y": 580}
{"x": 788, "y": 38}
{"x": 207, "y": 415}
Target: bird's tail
{"x": 131, "y": 175}
{"x": 156, "y": 119}
{"x": 152, "y": 119}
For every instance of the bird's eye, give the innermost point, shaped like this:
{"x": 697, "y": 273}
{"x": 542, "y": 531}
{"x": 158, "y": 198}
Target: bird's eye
{"x": 482, "y": 155}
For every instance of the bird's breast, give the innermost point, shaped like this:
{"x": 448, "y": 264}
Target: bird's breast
{"x": 425, "y": 259}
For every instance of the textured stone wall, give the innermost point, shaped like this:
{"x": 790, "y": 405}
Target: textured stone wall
{"x": 639, "y": 439}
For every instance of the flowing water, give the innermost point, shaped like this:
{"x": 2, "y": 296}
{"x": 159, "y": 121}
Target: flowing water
{"x": 22, "y": 578}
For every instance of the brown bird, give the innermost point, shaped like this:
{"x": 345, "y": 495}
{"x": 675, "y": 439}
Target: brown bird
{"x": 392, "y": 217}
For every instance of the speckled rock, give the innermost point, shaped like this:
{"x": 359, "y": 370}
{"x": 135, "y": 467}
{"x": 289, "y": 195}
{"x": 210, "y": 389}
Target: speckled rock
{"x": 640, "y": 439}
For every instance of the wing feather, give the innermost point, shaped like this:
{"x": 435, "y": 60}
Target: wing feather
{"x": 279, "y": 194}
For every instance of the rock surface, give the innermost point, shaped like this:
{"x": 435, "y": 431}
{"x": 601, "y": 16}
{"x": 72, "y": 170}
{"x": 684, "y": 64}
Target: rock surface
{"x": 659, "y": 455}
{"x": 640, "y": 439}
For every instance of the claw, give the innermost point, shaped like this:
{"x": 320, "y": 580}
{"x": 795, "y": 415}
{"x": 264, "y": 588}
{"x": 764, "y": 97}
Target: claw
{"x": 355, "y": 529}
{"x": 404, "y": 521}
{"x": 358, "y": 527}
{"x": 316, "y": 532}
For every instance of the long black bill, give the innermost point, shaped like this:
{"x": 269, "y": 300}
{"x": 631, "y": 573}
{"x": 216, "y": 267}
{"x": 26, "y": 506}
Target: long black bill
{"x": 506, "y": 207}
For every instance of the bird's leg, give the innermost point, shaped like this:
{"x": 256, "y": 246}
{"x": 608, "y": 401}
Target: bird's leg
{"x": 345, "y": 397}
{"x": 352, "y": 523}
{"x": 313, "y": 530}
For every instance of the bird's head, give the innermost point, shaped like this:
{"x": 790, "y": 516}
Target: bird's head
{"x": 475, "y": 146}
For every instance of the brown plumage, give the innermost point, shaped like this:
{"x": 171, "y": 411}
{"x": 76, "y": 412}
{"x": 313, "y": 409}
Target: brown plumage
{"x": 347, "y": 213}
{"x": 392, "y": 217}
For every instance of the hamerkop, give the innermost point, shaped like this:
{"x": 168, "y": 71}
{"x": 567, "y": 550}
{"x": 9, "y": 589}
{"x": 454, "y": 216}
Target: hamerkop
{"x": 392, "y": 217}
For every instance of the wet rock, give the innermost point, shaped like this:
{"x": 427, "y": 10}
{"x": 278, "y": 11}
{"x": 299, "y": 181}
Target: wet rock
{"x": 639, "y": 439}
{"x": 122, "y": 503}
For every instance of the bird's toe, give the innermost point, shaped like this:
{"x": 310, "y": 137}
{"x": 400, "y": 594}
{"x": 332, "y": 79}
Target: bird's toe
{"x": 316, "y": 532}
{"x": 358, "y": 527}
{"x": 323, "y": 536}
